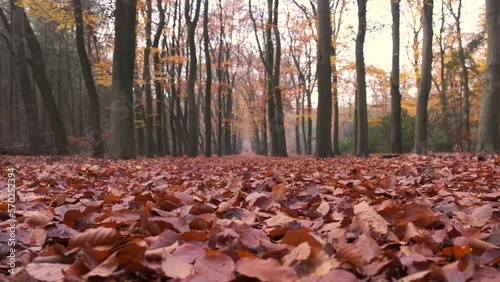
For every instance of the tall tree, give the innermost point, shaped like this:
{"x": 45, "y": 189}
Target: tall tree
{"x": 362, "y": 108}
{"x": 271, "y": 60}
{"x": 161, "y": 135}
{"x": 442, "y": 88}
{"x": 396, "y": 138}
{"x": 42, "y": 80}
{"x": 122, "y": 111}
{"x": 425, "y": 81}
{"x": 24, "y": 78}
{"x": 488, "y": 136}
{"x": 339, "y": 7}
{"x": 193, "y": 115}
{"x": 465, "y": 135}
{"x": 146, "y": 75}
{"x": 279, "y": 115}
{"x": 95, "y": 113}
{"x": 208, "y": 85}
{"x": 324, "y": 71}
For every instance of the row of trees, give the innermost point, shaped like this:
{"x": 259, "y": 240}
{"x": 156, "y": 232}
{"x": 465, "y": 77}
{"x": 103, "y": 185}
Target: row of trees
{"x": 152, "y": 71}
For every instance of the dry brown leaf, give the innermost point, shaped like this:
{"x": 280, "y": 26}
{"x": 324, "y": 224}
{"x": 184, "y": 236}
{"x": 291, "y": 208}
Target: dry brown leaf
{"x": 265, "y": 270}
{"x": 368, "y": 220}
{"x": 95, "y": 237}
{"x": 278, "y": 193}
{"x": 352, "y": 255}
{"x": 301, "y": 252}
{"x": 46, "y": 271}
{"x": 174, "y": 267}
{"x": 219, "y": 267}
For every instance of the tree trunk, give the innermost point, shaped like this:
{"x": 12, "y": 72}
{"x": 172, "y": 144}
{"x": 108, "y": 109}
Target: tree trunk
{"x": 362, "y": 121}
{"x": 488, "y": 136}
{"x": 161, "y": 138}
{"x": 396, "y": 139}
{"x": 444, "y": 86}
{"x": 271, "y": 104}
{"x": 24, "y": 78}
{"x": 122, "y": 111}
{"x": 146, "y": 75}
{"x": 193, "y": 120}
{"x": 37, "y": 66}
{"x": 208, "y": 85}
{"x": 465, "y": 80}
{"x": 335, "y": 89}
{"x": 324, "y": 74}
{"x": 280, "y": 116}
{"x": 309, "y": 123}
{"x": 425, "y": 81}
{"x": 139, "y": 121}
{"x": 298, "y": 150}
{"x": 95, "y": 113}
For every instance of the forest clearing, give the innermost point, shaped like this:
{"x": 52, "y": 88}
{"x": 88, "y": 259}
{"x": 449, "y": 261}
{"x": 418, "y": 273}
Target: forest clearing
{"x": 241, "y": 218}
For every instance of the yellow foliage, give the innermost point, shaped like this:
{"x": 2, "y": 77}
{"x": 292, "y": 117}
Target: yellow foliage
{"x": 409, "y": 106}
{"x": 373, "y": 121}
{"x": 103, "y": 74}
{"x": 174, "y": 59}
{"x": 58, "y": 12}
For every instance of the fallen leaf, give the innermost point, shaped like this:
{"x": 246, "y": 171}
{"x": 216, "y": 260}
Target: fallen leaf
{"x": 265, "y": 270}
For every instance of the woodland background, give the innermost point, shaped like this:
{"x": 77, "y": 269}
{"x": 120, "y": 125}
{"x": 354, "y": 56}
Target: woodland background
{"x": 224, "y": 77}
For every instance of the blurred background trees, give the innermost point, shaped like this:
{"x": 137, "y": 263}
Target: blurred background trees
{"x": 244, "y": 78}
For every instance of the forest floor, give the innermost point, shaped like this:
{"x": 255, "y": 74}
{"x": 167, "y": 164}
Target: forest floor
{"x": 247, "y": 218}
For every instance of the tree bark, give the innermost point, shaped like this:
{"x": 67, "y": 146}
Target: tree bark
{"x": 425, "y": 81}
{"x": 122, "y": 111}
{"x": 37, "y": 66}
{"x": 146, "y": 75}
{"x": 192, "y": 144}
{"x": 465, "y": 78}
{"x": 161, "y": 135}
{"x": 95, "y": 113}
{"x": 280, "y": 116}
{"x": 24, "y": 78}
{"x": 208, "y": 85}
{"x": 396, "y": 139}
{"x": 324, "y": 74}
{"x": 488, "y": 137}
{"x": 362, "y": 121}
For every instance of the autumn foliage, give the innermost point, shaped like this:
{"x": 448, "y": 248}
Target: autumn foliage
{"x": 240, "y": 218}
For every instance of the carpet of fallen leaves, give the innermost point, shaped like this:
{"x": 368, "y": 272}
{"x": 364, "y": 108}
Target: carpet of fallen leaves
{"x": 408, "y": 218}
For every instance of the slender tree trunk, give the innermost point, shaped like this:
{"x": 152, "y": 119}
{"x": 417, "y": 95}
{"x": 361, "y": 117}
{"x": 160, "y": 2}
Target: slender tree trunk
{"x": 95, "y": 113}
{"x": 444, "y": 86}
{"x": 192, "y": 144}
{"x": 465, "y": 80}
{"x": 161, "y": 144}
{"x": 24, "y": 78}
{"x": 122, "y": 111}
{"x": 488, "y": 136}
{"x": 280, "y": 116}
{"x": 40, "y": 75}
{"x": 396, "y": 139}
{"x": 309, "y": 123}
{"x": 271, "y": 103}
{"x": 146, "y": 75}
{"x": 208, "y": 85}
{"x": 140, "y": 123}
{"x": 303, "y": 122}
{"x": 362, "y": 148}
{"x": 298, "y": 149}
{"x": 425, "y": 81}
{"x": 324, "y": 72}
{"x": 335, "y": 90}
